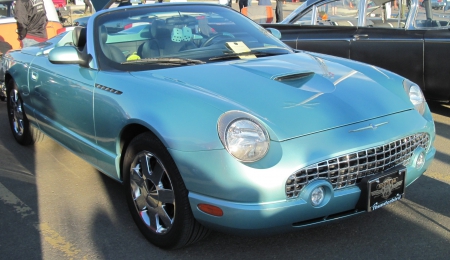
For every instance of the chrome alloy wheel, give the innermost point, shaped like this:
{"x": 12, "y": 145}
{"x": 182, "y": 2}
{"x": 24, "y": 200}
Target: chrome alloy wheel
{"x": 16, "y": 112}
{"x": 152, "y": 192}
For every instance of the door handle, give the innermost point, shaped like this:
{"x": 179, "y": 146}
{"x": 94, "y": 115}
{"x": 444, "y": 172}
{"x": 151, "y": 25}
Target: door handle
{"x": 34, "y": 75}
{"x": 358, "y": 36}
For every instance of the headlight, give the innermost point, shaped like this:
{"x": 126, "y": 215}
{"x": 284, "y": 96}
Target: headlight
{"x": 415, "y": 95}
{"x": 243, "y": 136}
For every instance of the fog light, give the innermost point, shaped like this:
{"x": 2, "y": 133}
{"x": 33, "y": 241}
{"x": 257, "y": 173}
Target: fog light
{"x": 420, "y": 160}
{"x": 317, "y": 196}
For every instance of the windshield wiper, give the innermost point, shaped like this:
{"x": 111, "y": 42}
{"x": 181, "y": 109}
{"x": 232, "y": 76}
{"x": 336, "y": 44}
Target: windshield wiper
{"x": 233, "y": 55}
{"x": 165, "y": 61}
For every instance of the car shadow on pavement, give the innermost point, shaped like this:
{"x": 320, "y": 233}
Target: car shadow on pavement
{"x": 18, "y": 197}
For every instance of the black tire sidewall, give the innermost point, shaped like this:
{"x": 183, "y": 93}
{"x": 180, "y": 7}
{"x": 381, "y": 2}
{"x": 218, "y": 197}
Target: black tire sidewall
{"x": 183, "y": 220}
{"x": 26, "y": 137}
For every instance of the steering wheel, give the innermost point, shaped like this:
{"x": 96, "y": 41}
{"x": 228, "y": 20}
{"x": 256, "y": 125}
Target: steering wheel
{"x": 212, "y": 38}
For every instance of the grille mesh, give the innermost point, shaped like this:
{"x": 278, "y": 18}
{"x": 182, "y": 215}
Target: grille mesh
{"x": 347, "y": 170}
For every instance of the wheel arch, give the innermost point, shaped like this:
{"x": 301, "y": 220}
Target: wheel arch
{"x": 128, "y": 133}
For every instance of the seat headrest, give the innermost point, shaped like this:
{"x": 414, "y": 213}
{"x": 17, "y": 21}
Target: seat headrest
{"x": 79, "y": 36}
{"x": 159, "y": 29}
{"x": 103, "y": 34}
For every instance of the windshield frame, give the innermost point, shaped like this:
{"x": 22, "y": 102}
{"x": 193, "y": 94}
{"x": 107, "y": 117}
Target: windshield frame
{"x": 217, "y": 16}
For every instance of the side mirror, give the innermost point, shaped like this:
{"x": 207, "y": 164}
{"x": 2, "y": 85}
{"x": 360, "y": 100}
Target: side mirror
{"x": 274, "y": 32}
{"x": 65, "y": 55}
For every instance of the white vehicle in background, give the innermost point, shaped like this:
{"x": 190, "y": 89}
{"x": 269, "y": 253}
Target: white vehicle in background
{"x": 8, "y": 31}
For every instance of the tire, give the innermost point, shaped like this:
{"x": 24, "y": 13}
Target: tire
{"x": 18, "y": 121}
{"x": 158, "y": 199}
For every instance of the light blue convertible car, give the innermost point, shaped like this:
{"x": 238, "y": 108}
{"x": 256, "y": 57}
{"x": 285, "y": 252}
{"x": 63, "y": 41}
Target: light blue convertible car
{"x": 211, "y": 122}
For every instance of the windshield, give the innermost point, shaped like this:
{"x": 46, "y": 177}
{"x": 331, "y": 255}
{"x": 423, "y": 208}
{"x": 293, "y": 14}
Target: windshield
{"x": 144, "y": 37}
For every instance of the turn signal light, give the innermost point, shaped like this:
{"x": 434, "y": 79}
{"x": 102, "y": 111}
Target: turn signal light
{"x": 210, "y": 209}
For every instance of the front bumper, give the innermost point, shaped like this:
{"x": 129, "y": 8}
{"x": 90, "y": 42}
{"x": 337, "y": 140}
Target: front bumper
{"x": 287, "y": 215}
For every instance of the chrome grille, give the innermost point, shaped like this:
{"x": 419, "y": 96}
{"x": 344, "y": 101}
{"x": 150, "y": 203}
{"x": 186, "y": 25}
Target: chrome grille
{"x": 347, "y": 170}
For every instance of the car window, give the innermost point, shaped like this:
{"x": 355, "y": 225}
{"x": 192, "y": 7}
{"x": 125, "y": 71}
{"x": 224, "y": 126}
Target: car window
{"x": 6, "y": 10}
{"x": 434, "y": 18}
{"x": 3, "y": 10}
{"x": 204, "y": 34}
{"x": 387, "y": 15}
{"x": 337, "y": 13}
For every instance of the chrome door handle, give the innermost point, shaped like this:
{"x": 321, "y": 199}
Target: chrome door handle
{"x": 358, "y": 36}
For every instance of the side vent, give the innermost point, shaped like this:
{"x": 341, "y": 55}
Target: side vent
{"x": 114, "y": 91}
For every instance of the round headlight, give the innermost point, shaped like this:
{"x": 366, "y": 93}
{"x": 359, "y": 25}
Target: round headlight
{"x": 243, "y": 137}
{"x": 415, "y": 96}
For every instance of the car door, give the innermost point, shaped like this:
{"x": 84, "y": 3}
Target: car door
{"x": 384, "y": 39}
{"x": 437, "y": 67}
{"x": 325, "y": 27}
{"x": 394, "y": 49}
{"x": 62, "y": 95}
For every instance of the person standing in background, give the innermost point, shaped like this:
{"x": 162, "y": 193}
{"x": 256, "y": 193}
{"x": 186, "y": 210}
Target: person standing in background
{"x": 31, "y": 21}
{"x": 279, "y": 11}
{"x": 242, "y": 4}
{"x": 264, "y": 2}
{"x": 87, "y": 4}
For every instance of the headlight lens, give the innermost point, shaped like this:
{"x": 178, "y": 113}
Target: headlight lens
{"x": 243, "y": 137}
{"x": 415, "y": 95}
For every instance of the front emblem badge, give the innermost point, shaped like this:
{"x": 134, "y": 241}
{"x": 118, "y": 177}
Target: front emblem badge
{"x": 385, "y": 188}
{"x": 373, "y": 127}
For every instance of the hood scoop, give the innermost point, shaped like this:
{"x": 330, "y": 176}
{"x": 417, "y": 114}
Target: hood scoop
{"x": 296, "y": 80}
{"x": 307, "y": 81}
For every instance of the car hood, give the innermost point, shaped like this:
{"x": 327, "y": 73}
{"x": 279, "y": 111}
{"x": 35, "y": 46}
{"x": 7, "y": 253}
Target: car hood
{"x": 295, "y": 94}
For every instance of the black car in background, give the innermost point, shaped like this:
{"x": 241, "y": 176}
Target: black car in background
{"x": 407, "y": 38}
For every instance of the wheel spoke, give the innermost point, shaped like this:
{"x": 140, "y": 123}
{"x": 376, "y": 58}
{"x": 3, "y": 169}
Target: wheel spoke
{"x": 165, "y": 218}
{"x": 141, "y": 202}
{"x": 136, "y": 179}
{"x": 145, "y": 168}
{"x": 154, "y": 220}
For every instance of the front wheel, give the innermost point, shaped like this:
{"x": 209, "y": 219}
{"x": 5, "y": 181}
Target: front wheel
{"x": 18, "y": 121}
{"x": 156, "y": 195}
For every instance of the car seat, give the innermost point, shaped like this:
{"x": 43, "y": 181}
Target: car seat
{"x": 111, "y": 52}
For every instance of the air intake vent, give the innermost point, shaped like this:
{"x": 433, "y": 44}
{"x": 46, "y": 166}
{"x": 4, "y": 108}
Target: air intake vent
{"x": 114, "y": 91}
{"x": 294, "y": 77}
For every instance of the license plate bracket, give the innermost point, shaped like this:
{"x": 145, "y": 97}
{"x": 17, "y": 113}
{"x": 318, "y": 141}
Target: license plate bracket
{"x": 382, "y": 189}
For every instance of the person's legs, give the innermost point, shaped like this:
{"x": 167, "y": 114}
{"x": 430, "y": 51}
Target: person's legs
{"x": 279, "y": 11}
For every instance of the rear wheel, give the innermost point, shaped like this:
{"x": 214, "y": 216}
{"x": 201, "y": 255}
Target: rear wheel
{"x": 18, "y": 121}
{"x": 156, "y": 195}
